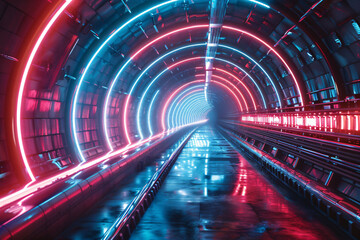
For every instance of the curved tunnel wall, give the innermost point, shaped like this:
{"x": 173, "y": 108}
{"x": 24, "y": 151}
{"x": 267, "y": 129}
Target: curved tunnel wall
{"x": 281, "y": 57}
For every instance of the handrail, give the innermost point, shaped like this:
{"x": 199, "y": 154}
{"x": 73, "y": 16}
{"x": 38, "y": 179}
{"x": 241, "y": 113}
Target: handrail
{"x": 115, "y": 230}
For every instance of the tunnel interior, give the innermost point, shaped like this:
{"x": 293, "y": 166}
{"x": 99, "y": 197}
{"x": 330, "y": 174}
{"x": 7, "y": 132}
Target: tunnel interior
{"x": 84, "y": 82}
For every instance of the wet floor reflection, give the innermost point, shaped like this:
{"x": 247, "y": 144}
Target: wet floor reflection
{"x": 100, "y": 218}
{"x": 212, "y": 192}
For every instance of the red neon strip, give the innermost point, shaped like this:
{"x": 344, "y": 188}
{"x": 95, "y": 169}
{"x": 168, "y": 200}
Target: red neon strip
{"x": 169, "y": 100}
{"x": 185, "y": 85}
{"x": 231, "y": 84}
{"x": 23, "y": 81}
{"x": 274, "y": 51}
{"x": 165, "y": 35}
{"x": 194, "y": 27}
{"x": 248, "y": 91}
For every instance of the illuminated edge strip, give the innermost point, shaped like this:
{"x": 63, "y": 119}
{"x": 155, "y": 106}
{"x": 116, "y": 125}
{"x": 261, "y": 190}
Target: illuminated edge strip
{"x": 23, "y": 81}
{"x": 149, "y": 112}
{"x": 260, "y": 3}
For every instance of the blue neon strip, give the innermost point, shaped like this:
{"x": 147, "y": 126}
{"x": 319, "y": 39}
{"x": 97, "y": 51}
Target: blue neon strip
{"x": 74, "y": 110}
{"x": 181, "y": 108}
{"x": 149, "y": 112}
{"x": 151, "y": 83}
{"x": 172, "y": 125}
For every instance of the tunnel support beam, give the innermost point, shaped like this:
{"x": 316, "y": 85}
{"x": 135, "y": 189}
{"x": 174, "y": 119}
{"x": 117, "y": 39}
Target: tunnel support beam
{"x": 217, "y": 13}
{"x": 314, "y": 36}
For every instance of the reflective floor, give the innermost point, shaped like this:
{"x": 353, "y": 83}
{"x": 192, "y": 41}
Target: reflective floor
{"x": 99, "y": 219}
{"x": 212, "y": 192}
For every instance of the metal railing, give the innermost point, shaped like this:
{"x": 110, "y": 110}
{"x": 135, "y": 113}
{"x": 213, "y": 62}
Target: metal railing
{"x": 130, "y": 217}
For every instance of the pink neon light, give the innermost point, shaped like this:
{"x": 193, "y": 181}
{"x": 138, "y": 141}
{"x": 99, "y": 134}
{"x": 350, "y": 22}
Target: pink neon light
{"x": 241, "y": 82}
{"x": 273, "y": 50}
{"x": 230, "y": 83}
{"x": 169, "y": 100}
{"x": 185, "y": 85}
{"x": 184, "y": 61}
{"x": 338, "y": 123}
{"x": 194, "y": 27}
{"x": 125, "y": 119}
{"x": 22, "y": 85}
{"x": 167, "y": 34}
{"x": 230, "y": 91}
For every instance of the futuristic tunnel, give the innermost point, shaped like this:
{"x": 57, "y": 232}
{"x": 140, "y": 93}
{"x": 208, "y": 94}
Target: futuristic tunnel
{"x": 180, "y": 119}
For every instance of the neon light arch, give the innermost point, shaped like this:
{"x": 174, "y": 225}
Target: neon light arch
{"x": 77, "y": 89}
{"x": 276, "y": 53}
{"x": 154, "y": 80}
{"x": 180, "y": 103}
{"x": 231, "y": 84}
{"x": 183, "y": 106}
{"x": 61, "y": 8}
{"x": 170, "y": 67}
{"x": 176, "y": 99}
{"x": 149, "y": 112}
{"x": 191, "y": 112}
{"x": 152, "y": 42}
{"x": 185, "y": 85}
{"x": 73, "y": 118}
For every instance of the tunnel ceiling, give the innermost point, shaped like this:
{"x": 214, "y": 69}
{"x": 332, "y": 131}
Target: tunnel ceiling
{"x": 82, "y": 77}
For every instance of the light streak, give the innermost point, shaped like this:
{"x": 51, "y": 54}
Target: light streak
{"x": 149, "y": 112}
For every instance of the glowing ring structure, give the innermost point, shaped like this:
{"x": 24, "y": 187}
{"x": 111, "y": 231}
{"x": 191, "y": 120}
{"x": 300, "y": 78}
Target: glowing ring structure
{"x": 175, "y": 31}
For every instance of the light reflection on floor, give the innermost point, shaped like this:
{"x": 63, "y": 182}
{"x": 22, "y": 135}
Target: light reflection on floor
{"x": 212, "y": 192}
{"x": 95, "y": 223}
